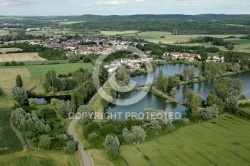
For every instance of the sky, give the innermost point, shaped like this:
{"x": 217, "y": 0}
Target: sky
{"x": 121, "y": 7}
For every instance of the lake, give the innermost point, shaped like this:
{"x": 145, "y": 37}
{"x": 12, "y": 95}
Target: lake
{"x": 152, "y": 101}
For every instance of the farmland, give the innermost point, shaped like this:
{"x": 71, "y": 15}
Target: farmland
{"x": 9, "y": 142}
{"x": 4, "y": 32}
{"x": 168, "y": 38}
{"x": 110, "y": 33}
{"x": 221, "y": 141}
{"x": 20, "y": 57}
{"x": 39, "y": 158}
{"x": 32, "y": 74}
{"x": 6, "y": 50}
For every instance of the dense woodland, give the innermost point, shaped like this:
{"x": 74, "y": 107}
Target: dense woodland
{"x": 183, "y": 27}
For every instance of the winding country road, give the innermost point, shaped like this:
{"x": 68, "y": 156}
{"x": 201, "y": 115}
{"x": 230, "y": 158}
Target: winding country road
{"x": 84, "y": 155}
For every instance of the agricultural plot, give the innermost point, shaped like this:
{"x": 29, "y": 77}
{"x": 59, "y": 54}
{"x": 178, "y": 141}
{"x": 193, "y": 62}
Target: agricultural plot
{"x": 221, "y": 141}
{"x": 9, "y": 142}
{"x": 6, "y": 50}
{"x": 4, "y": 32}
{"x": 39, "y": 158}
{"x": 38, "y": 70}
{"x": 168, "y": 38}
{"x": 8, "y": 79}
{"x": 20, "y": 57}
{"x": 240, "y": 45}
{"x": 70, "y": 22}
{"x": 110, "y": 33}
{"x": 31, "y": 75}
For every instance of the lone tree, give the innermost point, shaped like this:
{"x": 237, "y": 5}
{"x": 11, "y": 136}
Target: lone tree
{"x": 19, "y": 81}
{"x": 112, "y": 145}
{"x": 135, "y": 136}
{"x": 19, "y": 95}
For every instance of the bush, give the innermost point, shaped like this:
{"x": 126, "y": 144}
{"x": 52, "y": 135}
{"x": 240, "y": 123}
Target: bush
{"x": 70, "y": 148}
{"x": 32, "y": 102}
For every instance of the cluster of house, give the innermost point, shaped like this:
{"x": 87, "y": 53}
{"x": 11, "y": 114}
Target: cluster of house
{"x": 181, "y": 55}
{"x": 38, "y": 29}
{"x": 132, "y": 64}
{"x": 85, "y": 47}
{"x": 8, "y": 26}
{"x": 191, "y": 57}
{"x": 216, "y": 58}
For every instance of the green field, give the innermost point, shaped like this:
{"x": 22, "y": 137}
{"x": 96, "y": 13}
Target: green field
{"x": 246, "y": 109}
{"x": 221, "y": 141}
{"x": 38, "y": 70}
{"x": 32, "y": 74}
{"x": 241, "y": 45}
{"x": 9, "y": 142}
{"x": 156, "y": 37}
{"x": 110, "y": 33}
{"x": 39, "y": 158}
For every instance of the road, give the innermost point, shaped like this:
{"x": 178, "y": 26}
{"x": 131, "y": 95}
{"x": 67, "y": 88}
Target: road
{"x": 84, "y": 155}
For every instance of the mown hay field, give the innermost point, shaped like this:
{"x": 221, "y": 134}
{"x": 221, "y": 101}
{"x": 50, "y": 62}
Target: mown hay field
{"x": 4, "y": 32}
{"x": 20, "y": 57}
{"x": 110, "y": 33}
{"x": 6, "y": 50}
{"x": 221, "y": 141}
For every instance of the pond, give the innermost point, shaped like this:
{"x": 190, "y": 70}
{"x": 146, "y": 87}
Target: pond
{"x": 152, "y": 101}
{"x": 46, "y": 99}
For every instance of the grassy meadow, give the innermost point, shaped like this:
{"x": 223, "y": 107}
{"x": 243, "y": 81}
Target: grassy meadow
{"x": 39, "y": 158}
{"x": 221, "y": 141}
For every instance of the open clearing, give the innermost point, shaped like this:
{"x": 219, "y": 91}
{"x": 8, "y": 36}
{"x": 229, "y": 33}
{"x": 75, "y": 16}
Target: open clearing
{"x": 4, "y": 32}
{"x": 6, "y": 50}
{"x": 221, "y": 141}
{"x": 39, "y": 158}
{"x": 20, "y": 57}
{"x": 110, "y": 33}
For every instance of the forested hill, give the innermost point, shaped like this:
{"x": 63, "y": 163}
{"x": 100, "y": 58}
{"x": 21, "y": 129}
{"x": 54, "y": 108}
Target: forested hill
{"x": 183, "y": 27}
{"x": 201, "y": 17}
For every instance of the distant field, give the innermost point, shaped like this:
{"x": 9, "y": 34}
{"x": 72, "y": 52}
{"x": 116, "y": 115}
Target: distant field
{"x": 5, "y": 50}
{"x": 20, "y": 57}
{"x": 221, "y": 141}
{"x": 4, "y": 32}
{"x": 70, "y": 22}
{"x": 39, "y": 158}
{"x": 168, "y": 38}
{"x": 108, "y": 33}
{"x": 9, "y": 142}
{"x": 241, "y": 45}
